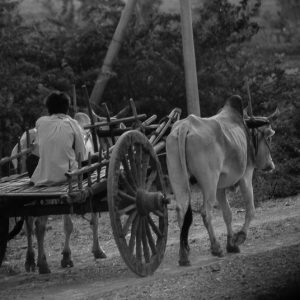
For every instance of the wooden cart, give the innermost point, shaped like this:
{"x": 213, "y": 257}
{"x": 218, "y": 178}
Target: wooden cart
{"x": 126, "y": 180}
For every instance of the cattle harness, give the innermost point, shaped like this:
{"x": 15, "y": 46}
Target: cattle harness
{"x": 126, "y": 179}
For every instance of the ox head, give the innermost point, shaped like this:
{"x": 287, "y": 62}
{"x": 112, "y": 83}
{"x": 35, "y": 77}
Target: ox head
{"x": 262, "y": 133}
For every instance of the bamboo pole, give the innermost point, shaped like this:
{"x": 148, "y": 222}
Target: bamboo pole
{"x": 74, "y": 98}
{"x": 112, "y": 52}
{"x": 191, "y": 83}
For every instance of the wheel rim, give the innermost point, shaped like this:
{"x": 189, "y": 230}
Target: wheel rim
{"x": 137, "y": 204}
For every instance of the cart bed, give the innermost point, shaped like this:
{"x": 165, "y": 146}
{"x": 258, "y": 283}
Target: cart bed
{"x": 18, "y": 186}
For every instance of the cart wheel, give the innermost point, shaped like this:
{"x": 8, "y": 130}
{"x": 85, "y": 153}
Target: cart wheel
{"x": 137, "y": 204}
{"x": 4, "y": 227}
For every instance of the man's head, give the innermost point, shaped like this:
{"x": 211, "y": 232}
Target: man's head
{"x": 58, "y": 103}
{"x": 82, "y": 118}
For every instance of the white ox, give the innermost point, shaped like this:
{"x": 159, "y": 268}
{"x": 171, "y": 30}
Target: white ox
{"x": 218, "y": 152}
{"x": 40, "y": 222}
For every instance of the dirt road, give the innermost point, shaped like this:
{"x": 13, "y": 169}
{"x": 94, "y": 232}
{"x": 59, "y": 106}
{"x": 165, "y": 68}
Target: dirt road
{"x": 267, "y": 268}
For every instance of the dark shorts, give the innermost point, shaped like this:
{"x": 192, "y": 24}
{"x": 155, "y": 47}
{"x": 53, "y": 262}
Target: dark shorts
{"x": 31, "y": 163}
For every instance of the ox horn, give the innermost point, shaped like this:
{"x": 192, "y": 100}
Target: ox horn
{"x": 256, "y": 122}
{"x": 249, "y": 100}
{"x": 274, "y": 115}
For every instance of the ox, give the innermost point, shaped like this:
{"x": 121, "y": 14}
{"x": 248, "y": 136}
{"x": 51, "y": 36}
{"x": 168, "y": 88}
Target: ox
{"x": 218, "y": 152}
{"x": 40, "y": 222}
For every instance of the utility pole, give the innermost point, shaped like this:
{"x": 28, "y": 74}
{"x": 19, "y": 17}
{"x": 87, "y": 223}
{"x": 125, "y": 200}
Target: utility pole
{"x": 191, "y": 82}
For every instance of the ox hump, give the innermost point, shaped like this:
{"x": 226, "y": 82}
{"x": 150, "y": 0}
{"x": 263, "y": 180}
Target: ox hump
{"x": 235, "y": 102}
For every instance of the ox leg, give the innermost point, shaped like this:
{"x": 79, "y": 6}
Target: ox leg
{"x": 184, "y": 217}
{"x": 96, "y": 250}
{"x": 30, "y": 261}
{"x": 40, "y": 230}
{"x": 247, "y": 192}
{"x": 231, "y": 247}
{"x": 184, "y": 233}
{"x": 206, "y": 213}
{"x": 68, "y": 228}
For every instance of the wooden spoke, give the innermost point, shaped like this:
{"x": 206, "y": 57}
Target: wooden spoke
{"x": 129, "y": 187}
{"x": 128, "y": 222}
{"x": 133, "y": 169}
{"x": 128, "y": 173}
{"x": 133, "y": 234}
{"x": 151, "y": 179}
{"x": 145, "y": 166}
{"x": 127, "y": 209}
{"x": 158, "y": 213}
{"x": 139, "y": 242}
{"x": 144, "y": 241}
{"x": 150, "y": 238}
{"x": 154, "y": 227}
{"x": 125, "y": 196}
{"x": 138, "y": 162}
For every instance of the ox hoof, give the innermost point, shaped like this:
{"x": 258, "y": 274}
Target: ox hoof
{"x": 30, "y": 266}
{"x": 184, "y": 263}
{"x": 66, "y": 263}
{"x": 217, "y": 251}
{"x": 30, "y": 263}
{"x": 99, "y": 254}
{"x": 233, "y": 248}
{"x": 44, "y": 269}
{"x": 184, "y": 256}
{"x": 239, "y": 238}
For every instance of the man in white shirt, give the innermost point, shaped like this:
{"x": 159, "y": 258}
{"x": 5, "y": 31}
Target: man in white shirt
{"x": 60, "y": 141}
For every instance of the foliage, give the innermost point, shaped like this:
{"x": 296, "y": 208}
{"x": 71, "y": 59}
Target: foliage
{"x": 17, "y": 76}
{"x": 68, "y": 48}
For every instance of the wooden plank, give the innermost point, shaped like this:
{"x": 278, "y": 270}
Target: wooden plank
{"x": 20, "y": 186}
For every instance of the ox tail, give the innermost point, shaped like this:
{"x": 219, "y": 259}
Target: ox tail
{"x": 182, "y": 134}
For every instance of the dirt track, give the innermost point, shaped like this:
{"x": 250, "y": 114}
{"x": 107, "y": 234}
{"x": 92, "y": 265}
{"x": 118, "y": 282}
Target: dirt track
{"x": 267, "y": 268}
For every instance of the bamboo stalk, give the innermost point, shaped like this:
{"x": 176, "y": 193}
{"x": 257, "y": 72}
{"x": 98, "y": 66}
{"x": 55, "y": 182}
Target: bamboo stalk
{"x": 91, "y": 168}
{"x": 115, "y": 121}
{"x": 74, "y": 98}
{"x": 112, "y": 52}
{"x": 10, "y": 158}
{"x": 89, "y": 172}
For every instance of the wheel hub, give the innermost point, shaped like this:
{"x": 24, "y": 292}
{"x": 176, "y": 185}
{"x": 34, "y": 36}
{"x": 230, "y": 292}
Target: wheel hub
{"x": 147, "y": 202}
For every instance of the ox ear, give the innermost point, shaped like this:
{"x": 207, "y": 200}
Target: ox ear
{"x": 274, "y": 115}
{"x": 245, "y": 113}
{"x": 269, "y": 132}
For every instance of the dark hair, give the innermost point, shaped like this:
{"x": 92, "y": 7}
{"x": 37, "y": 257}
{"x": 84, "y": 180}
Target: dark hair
{"x": 58, "y": 103}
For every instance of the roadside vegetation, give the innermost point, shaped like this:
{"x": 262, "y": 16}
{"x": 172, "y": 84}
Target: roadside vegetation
{"x": 36, "y": 57}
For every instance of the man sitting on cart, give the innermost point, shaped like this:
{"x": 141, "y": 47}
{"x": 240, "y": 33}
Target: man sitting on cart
{"x": 60, "y": 141}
